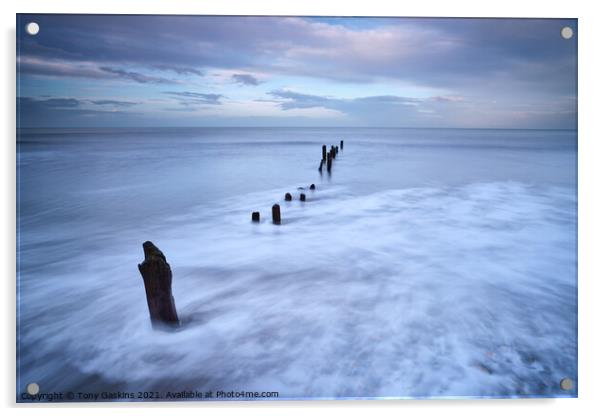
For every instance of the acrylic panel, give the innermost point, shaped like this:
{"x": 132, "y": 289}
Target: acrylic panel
{"x": 289, "y": 207}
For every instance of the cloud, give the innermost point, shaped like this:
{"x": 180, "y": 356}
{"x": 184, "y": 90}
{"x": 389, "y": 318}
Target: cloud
{"x": 194, "y": 98}
{"x": 136, "y": 76}
{"x": 180, "y": 70}
{"x": 116, "y": 103}
{"x": 390, "y": 99}
{"x": 59, "y": 68}
{"x": 448, "y": 98}
{"x": 300, "y": 100}
{"x": 245, "y": 79}
{"x": 77, "y": 69}
{"x": 458, "y": 62}
{"x": 294, "y": 99}
{"x": 61, "y": 112}
{"x": 69, "y": 103}
{"x": 378, "y": 110}
{"x": 61, "y": 102}
{"x": 422, "y": 51}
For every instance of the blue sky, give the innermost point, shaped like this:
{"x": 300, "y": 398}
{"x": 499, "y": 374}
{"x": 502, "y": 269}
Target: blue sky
{"x": 122, "y": 71}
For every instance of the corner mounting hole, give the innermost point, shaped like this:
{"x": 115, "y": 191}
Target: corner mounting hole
{"x": 566, "y": 32}
{"x": 566, "y": 384}
{"x": 33, "y": 389}
{"x": 32, "y": 28}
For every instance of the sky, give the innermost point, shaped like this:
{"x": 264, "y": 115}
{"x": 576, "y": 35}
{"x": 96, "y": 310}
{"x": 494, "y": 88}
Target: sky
{"x": 170, "y": 71}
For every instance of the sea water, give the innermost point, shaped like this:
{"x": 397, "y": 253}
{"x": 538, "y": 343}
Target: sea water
{"x": 430, "y": 262}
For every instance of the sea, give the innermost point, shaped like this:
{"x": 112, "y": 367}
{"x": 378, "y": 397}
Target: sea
{"x": 428, "y": 263}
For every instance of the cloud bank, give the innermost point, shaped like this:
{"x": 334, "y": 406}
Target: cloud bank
{"x": 443, "y": 71}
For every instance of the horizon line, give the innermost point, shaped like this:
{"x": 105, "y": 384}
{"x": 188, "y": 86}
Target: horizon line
{"x": 297, "y": 127}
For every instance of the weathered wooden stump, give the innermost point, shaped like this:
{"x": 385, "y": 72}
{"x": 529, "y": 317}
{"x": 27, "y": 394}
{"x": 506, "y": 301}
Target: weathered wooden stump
{"x": 329, "y": 163}
{"x": 342, "y": 144}
{"x": 336, "y": 150}
{"x": 321, "y": 164}
{"x": 312, "y": 187}
{"x": 323, "y": 152}
{"x": 276, "y": 214}
{"x": 302, "y": 197}
{"x": 288, "y": 197}
{"x": 156, "y": 274}
{"x": 255, "y": 216}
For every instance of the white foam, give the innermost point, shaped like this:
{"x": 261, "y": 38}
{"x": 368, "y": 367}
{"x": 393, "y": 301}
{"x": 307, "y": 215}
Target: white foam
{"x": 456, "y": 290}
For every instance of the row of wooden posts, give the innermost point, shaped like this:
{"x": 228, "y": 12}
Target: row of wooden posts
{"x": 276, "y": 218}
{"x": 327, "y": 159}
{"x": 156, "y": 272}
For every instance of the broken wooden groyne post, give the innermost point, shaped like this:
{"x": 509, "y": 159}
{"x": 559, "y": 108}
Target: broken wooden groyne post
{"x": 323, "y": 152}
{"x": 276, "y": 214}
{"x": 321, "y": 164}
{"x": 342, "y": 144}
{"x": 302, "y": 197}
{"x": 329, "y": 162}
{"x": 157, "y": 277}
{"x": 255, "y": 216}
{"x": 312, "y": 187}
{"x": 288, "y": 197}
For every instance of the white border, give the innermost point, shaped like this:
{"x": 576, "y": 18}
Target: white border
{"x": 590, "y": 209}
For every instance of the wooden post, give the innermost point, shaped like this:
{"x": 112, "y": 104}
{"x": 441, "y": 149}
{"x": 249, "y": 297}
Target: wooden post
{"x": 336, "y": 150}
{"x": 312, "y": 187}
{"x": 156, "y": 274}
{"x": 323, "y": 152}
{"x": 276, "y": 214}
{"x": 302, "y": 197}
{"x": 342, "y": 144}
{"x": 255, "y": 216}
{"x": 320, "y": 168}
{"x": 329, "y": 163}
{"x": 288, "y": 197}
